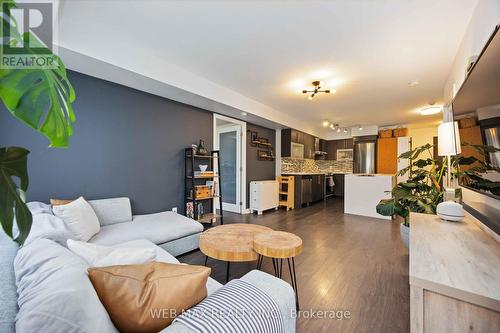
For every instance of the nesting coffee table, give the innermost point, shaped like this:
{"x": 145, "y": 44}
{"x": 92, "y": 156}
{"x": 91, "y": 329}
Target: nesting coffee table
{"x": 231, "y": 243}
{"x": 249, "y": 242}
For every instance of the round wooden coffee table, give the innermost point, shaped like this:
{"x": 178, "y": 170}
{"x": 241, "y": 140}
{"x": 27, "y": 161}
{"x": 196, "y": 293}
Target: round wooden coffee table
{"x": 231, "y": 243}
{"x": 279, "y": 245}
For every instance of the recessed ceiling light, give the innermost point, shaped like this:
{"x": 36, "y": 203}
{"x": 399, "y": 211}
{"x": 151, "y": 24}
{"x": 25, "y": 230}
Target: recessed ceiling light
{"x": 413, "y": 83}
{"x": 430, "y": 110}
{"x": 243, "y": 113}
{"x": 360, "y": 128}
{"x": 338, "y": 129}
{"x": 345, "y": 130}
{"x": 326, "y": 123}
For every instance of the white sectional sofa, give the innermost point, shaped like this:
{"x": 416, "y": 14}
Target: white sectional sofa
{"x": 173, "y": 232}
{"x": 45, "y": 286}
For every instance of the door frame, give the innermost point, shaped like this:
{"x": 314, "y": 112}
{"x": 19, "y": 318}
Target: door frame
{"x": 243, "y": 159}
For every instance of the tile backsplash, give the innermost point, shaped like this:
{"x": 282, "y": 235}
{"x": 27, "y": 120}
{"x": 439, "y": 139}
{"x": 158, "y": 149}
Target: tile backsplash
{"x": 292, "y": 165}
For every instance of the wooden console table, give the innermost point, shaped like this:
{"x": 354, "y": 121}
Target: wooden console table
{"x": 454, "y": 276}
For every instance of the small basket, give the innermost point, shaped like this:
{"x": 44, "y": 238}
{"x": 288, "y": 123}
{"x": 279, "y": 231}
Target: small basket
{"x": 202, "y": 191}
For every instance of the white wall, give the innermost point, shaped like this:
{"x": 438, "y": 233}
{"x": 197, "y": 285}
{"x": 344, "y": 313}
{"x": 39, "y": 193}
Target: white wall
{"x": 422, "y": 136}
{"x": 483, "y": 21}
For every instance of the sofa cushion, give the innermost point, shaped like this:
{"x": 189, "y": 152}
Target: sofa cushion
{"x": 164, "y": 256}
{"x": 55, "y": 294}
{"x": 111, "y": 211}
{"x": 158, "y": 228}
{"x": 80, "y": 218}
{"x": 101, "y": 256}
{"x": 50, "y": 227}
{"x": 147, "y": 297}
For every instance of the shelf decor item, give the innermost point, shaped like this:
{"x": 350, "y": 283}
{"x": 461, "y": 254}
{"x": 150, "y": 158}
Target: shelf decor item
{"x": 201, "y": 150}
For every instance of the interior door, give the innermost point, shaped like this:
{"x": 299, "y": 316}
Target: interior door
{"x": 229, "y": 145}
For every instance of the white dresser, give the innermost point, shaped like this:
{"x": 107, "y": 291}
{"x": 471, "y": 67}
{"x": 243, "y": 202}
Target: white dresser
{"x": 263, "y": 195}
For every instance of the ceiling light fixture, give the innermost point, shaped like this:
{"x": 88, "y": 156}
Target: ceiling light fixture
{"x": 430, "y": 110}
{"x": 326, "y": 123}
{"x": 345, "y": 130}
{"x": 360, "y": 128}
{"x": 338, "y": 130}
{"x": 243, "y": 113}
{"x": 317, "y": 89}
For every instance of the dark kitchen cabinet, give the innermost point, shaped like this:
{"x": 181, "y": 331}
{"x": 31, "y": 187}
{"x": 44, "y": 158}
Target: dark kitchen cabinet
{"x": 322, "y": 145}
{"x": 338, "y": 189}
{"x": 290, "y": 135}
{"x": 308, "y": 146}
{"x": 333, "y": 145}
{"x": 318, "y": 187}
{"x": 286, "y": 142}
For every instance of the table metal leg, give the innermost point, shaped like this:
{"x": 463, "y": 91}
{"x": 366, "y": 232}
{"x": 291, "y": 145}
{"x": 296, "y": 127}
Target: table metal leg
{"x": 293, "y": 278}
{"x": 259, "y": 261}
{"x": 227, "y": 272}
{"x": 275, "y": 267}
{"x": 206, "y": 260}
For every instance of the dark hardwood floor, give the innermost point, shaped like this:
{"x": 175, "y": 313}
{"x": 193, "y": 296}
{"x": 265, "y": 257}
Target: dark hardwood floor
{"x": 348, "y": 263}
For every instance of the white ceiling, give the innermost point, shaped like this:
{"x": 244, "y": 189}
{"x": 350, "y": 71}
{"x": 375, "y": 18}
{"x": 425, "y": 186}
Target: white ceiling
{"x": 246, "y": 53}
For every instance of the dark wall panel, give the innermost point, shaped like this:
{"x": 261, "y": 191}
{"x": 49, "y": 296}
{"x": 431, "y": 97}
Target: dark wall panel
{"x": 257, "y": 169}
{"x": 125, "y": 143}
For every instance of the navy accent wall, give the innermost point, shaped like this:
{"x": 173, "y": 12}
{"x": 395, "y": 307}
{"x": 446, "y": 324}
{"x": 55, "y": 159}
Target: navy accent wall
{"x": 258, "y": 169}
{"x": 125, "y": 143}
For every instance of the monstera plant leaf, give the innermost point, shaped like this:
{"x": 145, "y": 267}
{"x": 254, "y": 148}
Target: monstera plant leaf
{"x": 13, "y": 183}
{"x": 39, "y": 97}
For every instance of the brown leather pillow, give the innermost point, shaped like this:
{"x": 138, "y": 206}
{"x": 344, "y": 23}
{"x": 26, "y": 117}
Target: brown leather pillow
{"x": 59, "y": 202}
{"x": 147, "y": 297}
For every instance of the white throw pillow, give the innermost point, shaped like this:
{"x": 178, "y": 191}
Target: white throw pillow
{"x": 101, "y": 256}
{"x": 80, "y": 218}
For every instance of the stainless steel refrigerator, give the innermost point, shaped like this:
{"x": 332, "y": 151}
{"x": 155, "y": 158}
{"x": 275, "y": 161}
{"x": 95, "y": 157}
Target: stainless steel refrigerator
{"x": 365, "y": 150}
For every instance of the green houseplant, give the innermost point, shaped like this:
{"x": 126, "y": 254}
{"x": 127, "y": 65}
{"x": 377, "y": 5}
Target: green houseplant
{"x": 42, "y": 99}
{"x": 423, "y": 190}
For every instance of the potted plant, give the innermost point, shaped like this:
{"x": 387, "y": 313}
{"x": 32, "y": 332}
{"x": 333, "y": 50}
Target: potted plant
{"x": 42, "y": 99}
{"x": 421, "y": 192}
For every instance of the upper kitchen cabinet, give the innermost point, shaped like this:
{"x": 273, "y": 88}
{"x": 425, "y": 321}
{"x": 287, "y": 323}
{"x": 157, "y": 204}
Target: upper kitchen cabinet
{"x": 299, "y": 140}
{"x": 333, "y": 145}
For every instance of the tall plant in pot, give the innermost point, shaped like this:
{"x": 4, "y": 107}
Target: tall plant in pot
{"x": 421, "y": 192}
{"x": 42, "y": 99}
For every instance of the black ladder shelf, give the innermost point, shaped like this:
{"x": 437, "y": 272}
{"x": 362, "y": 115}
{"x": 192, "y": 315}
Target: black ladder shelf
{"x": 192, "y": 160}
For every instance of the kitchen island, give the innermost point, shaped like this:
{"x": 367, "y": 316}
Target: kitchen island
{"x": 363, "y": 192}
